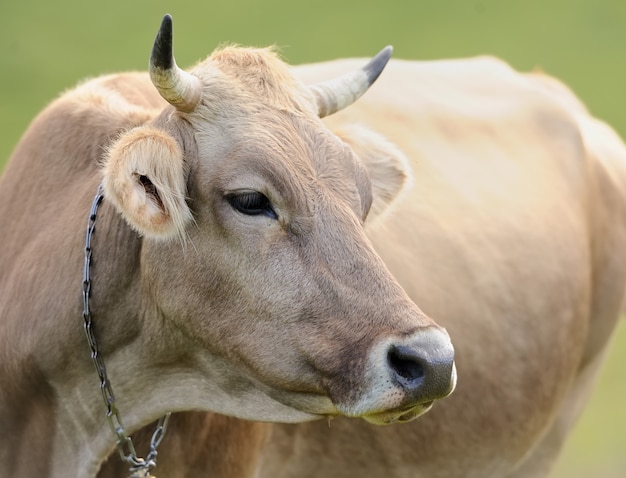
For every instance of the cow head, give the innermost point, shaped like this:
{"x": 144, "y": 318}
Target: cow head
{"x": 258, "y": 273}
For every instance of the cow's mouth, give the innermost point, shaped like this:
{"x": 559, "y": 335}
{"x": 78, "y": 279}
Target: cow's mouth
{"x": 402, "y": 415}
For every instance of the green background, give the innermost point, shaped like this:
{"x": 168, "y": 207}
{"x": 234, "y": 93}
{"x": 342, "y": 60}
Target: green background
{"x": 47, "y": 46}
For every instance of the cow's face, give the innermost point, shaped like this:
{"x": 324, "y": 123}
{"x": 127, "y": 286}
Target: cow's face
{"x": 255, "y": 252}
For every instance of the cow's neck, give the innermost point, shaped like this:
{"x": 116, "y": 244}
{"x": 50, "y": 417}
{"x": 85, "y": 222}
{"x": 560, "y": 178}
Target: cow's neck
{"x": 56, "y": 412}
{"x": 52, "y": 414}
{"x": 145, "y": 389}
{"x": 83, "y": 439}
{"x": 84, "y": 436}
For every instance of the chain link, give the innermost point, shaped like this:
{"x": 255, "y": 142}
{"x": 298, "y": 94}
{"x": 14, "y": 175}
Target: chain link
{"x": 139, "y": 467}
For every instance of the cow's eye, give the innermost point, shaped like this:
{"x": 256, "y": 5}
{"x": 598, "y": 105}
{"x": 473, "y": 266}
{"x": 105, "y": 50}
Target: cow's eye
{"x": 252, "y": 204}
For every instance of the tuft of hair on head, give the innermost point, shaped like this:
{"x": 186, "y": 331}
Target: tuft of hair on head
{"x": 262, "y": 74}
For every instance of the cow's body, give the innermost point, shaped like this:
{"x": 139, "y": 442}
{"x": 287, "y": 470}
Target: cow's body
{"x": 512, "y": 235}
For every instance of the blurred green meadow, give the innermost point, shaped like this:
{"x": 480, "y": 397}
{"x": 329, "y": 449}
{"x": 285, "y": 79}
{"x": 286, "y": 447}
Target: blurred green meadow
{"x": 46, "y": 47}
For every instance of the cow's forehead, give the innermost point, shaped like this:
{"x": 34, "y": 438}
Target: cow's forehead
{"x": 270, "y": 150}
{"x": 282, "y": 146}
{"x": 252, "y": 78}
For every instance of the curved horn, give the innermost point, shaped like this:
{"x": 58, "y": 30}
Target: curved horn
{"x": 336, "y": 94}
{"x": 176, "y": 86}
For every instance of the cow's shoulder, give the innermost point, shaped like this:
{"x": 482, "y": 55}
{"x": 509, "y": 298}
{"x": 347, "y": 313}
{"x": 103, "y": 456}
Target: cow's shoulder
{"x": 75, "y": 128}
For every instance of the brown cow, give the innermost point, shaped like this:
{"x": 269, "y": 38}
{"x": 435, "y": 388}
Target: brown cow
{"x": 511, "y": 232}
{"x": 229, "y": 270}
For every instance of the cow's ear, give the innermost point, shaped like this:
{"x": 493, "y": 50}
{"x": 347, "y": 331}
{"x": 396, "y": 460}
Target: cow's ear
{"x": 385, "y": 164}
{"x": 144, "y": 177}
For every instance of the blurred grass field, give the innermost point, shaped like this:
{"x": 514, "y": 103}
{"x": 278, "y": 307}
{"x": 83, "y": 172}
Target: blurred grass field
{"x": 46, "y": 47}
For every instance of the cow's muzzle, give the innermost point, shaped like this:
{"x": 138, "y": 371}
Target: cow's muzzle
{"x": 406, "y": 376}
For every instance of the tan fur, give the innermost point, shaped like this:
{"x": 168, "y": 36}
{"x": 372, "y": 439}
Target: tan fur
{"x": 512, "y": 234}
{"x": 510, "y": 231}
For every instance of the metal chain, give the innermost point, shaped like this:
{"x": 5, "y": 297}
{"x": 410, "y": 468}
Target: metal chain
{"x": 139, "y": 467}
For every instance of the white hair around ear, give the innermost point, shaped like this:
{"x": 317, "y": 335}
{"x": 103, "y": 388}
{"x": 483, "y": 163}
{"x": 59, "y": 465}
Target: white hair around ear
{"x": 144, "y": 177}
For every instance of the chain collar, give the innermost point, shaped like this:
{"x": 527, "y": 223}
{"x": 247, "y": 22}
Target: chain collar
{"x": 139, "y": 467}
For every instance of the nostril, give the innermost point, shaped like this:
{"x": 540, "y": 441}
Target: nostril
{"x": 421, "y": 365}
{"x": 406, "y": 364}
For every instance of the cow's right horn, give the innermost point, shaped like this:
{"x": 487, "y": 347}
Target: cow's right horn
{"x": 176, "y": 86}
{"x": 336, "y": 94}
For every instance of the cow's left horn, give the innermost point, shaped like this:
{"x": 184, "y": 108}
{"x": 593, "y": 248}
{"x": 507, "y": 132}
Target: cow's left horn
{"x": 336, "y": 94}
{"x": 176, "y": 86}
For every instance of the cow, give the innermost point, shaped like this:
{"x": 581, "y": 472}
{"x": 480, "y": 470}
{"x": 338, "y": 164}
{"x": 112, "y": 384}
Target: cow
{"x": 502, "y": 214}
{"x": 251, "y": 260}
{"x": 229, "y": 270}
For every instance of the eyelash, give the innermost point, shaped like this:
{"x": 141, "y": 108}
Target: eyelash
{"x": 252, "y": 203}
